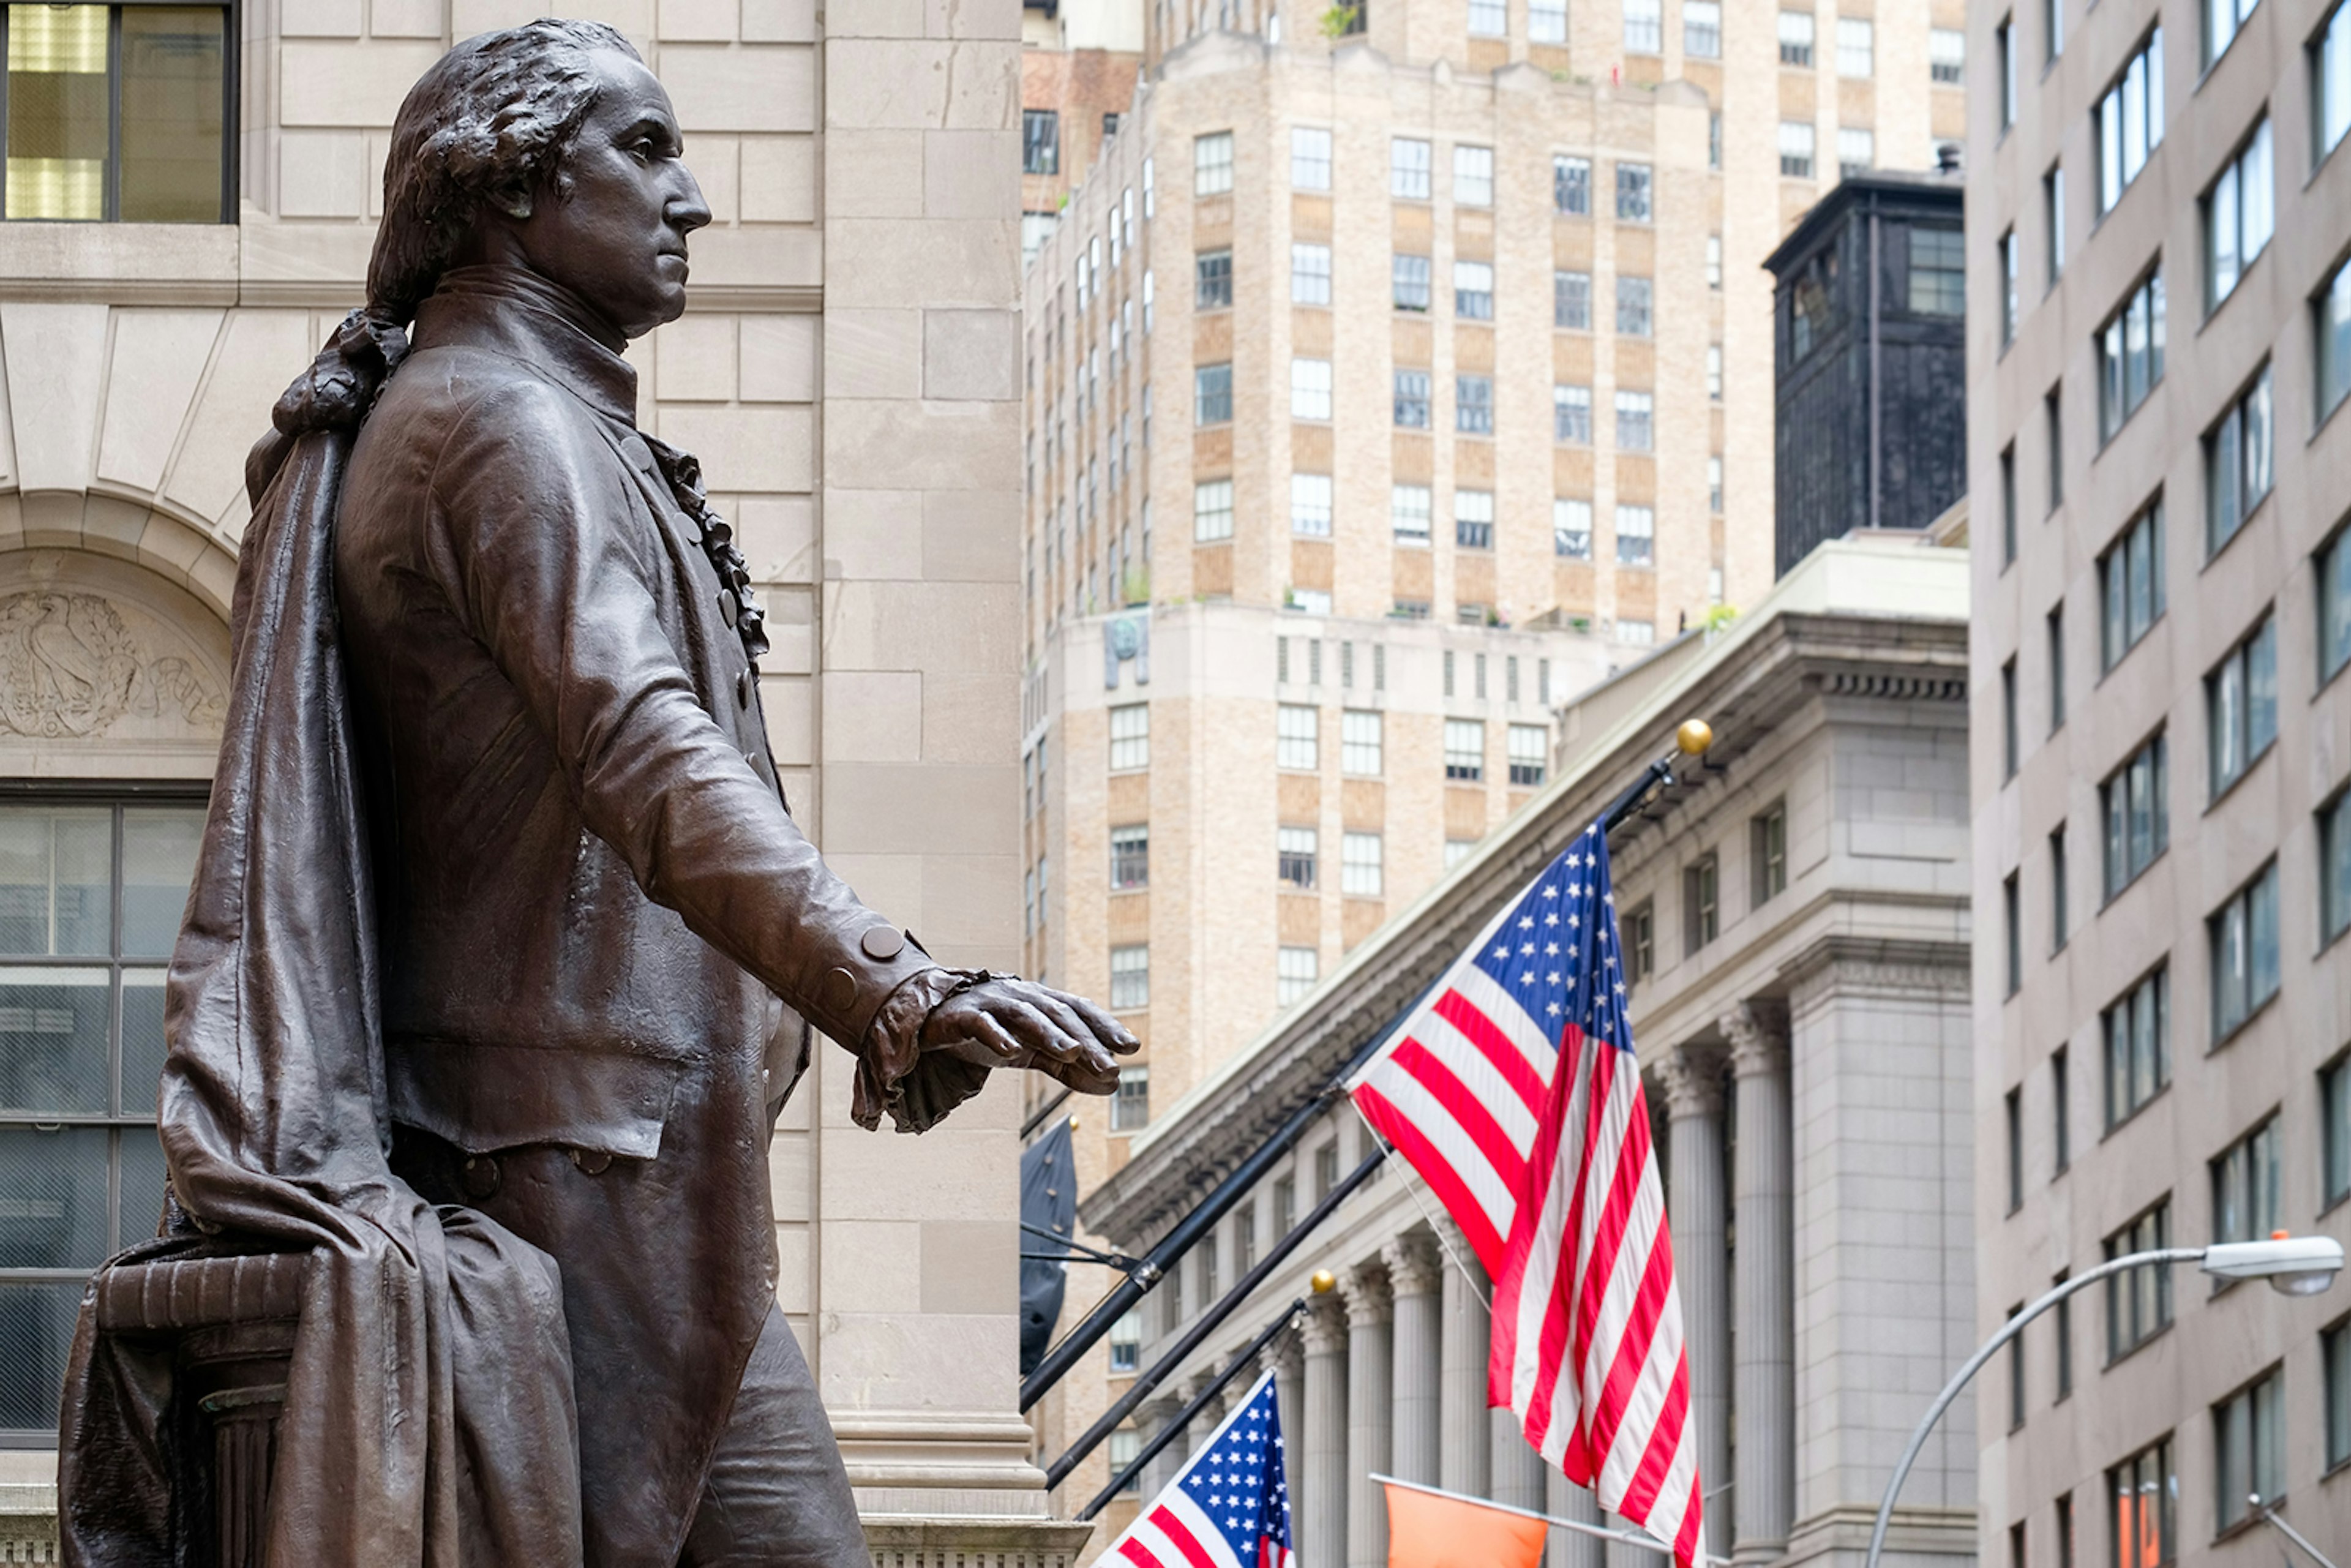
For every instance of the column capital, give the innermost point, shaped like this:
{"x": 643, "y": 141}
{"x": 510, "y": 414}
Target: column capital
{"x": 1414, "y": 1267}
{"x": 1364, "y": 1289}
{"x": 1286, "y": 1356}
{"x": 1757, "y": 1032}
{"x": 1325, "y": 1326}
{"x": 1691, "y": 1076}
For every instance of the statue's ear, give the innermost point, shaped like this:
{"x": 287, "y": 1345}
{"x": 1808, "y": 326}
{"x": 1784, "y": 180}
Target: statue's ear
{"x": 514, "y": 201}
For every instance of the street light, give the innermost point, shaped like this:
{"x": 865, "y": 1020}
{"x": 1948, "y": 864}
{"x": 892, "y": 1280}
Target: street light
{"x": 2293, "y": 1265}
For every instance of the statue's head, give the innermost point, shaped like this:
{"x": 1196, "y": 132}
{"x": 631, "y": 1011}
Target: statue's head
{"x": 548, "y": 146}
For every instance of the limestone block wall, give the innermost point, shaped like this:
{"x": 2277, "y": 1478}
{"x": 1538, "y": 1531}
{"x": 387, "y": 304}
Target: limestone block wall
{"x": 847, "y": 373}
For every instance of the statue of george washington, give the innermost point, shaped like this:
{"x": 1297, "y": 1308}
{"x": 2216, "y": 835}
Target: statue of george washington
{"x": 504, "y": 951}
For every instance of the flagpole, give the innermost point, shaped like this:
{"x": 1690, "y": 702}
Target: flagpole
{"x": 1622, "y": 1536}
{"x": 1167, "y": 1434}
{"x": 1210, "y": 1321}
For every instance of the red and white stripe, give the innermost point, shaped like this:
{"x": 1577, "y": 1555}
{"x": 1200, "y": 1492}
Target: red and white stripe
{"x": 1587, "y": 1340}
{"x": 1174, "y": 1533}
{"x": 1460, "y": 1094}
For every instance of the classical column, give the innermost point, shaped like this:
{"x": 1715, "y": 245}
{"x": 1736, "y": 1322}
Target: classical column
{"x": 1370, "y": 1356}
{"x": 1466, "y": 1463}
{"x": 1520, "y": 1477}
{"x": 1569, "y": 1548}
{"x": 1286, "y": 1359}
{"x": 1763, "y": 1287}
{"x": 1693, "y": 1084}
{"x": 1203, "y": 1422}
{"x": 1417, "y": 1278}
{"x": 1150, "y": 1417}
{"x": 1323, "y": 1524}
{"x": 1212, "y": 1414}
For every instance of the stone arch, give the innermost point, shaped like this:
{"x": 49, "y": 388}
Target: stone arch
{"x": 146, "y": 531}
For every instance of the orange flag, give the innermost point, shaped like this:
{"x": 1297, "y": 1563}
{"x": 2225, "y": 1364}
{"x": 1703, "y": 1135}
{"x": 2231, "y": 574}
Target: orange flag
{"x": 1426, "y": 1529}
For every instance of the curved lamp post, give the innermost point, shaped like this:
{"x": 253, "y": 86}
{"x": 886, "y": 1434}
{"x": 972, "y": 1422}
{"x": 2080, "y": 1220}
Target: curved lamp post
{"x": 2293, "y": 1265}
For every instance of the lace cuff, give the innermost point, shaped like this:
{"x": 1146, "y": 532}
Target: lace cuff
{"x": 895, "y": 1074}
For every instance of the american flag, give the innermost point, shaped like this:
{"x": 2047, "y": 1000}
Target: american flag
{"x": 1551, "y": 1176}
{"x": 1228, "y": 1506}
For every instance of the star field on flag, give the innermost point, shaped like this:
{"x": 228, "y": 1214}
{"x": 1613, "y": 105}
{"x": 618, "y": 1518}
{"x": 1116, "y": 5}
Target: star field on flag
{"x": 1228, "y": 1506}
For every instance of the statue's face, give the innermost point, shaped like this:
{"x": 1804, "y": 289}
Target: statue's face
{"x": 617, "y": 238}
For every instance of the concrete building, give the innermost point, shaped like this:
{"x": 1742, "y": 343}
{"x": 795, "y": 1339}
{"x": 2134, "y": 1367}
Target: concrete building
{"x": 1432, "y": 335}
{"x": 1796, "y": 915}
{"x": 2160, "y": 339}
{"x": 848, "y": 374}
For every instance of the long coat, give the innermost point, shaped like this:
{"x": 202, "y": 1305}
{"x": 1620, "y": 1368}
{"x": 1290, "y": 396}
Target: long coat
{"x": 591, "y": 897}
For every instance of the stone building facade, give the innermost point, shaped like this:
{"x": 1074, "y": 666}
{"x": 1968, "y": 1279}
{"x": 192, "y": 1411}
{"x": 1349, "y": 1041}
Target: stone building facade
{"x": 848, "y": 374}
{"x": 2158, "y": 354}
{"x": 1795, "y": 914}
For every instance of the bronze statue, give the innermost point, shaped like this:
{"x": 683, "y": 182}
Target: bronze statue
{"x": 495, "y": 972}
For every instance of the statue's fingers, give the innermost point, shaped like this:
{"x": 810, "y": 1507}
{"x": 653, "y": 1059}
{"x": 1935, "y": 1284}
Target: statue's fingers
{"x": 987, "y": 1032}
{"x": 1091, "y": 1072}
{"x": 1104, "y": 1028}
{"x": 1055, "y": 1006}
{"x": 1033, "y": 1028}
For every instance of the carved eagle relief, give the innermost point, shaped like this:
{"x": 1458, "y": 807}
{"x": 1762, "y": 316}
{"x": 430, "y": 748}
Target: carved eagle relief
{"x": 69, "y": 668}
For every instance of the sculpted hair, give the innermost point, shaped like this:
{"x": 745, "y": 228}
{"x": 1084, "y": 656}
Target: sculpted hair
{"x": 492, "y": 117}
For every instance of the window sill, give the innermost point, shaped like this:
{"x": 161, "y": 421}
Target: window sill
{"x": 2135, "y": 1114}
{"x": 2135, "y": 878}
{"x": 2250, "y": 1522}
{"x": 2222, "y": 1042}
{"x": 2215, "y": 552}
{"x": 2243, "y": 773}
{"x": 2118, "y": 1358}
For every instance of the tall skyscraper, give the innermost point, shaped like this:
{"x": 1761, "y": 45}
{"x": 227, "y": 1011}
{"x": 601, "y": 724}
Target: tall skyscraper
{"x": 2159, "y": 335}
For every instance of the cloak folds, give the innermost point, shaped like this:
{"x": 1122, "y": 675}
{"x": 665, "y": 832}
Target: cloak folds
{"x": 429, "y": 1418}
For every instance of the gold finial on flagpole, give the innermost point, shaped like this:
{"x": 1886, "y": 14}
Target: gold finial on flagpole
{"x": 1323, "y": 1282}
{"x": 1694, "y": 736}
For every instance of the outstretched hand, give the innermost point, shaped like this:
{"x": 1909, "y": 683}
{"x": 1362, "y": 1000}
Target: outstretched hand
{"x": 1006, "y": 1022}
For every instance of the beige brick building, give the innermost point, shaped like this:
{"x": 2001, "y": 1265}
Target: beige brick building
{"x": 2160, "y": 344}
{"x": 1435, "y": 335}
{"x": 847, "y": 372}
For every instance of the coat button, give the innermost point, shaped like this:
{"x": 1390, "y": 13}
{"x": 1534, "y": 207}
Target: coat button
{"x": 742, "y": 688}
{"x": 726, "y": 606}
{"x": 882, "y": 942}
{"x": 841, "y": 990}
{"x": 758, "y": 764}
{"x": 479, "y": 1176}
{"x": 595, "y": 1161}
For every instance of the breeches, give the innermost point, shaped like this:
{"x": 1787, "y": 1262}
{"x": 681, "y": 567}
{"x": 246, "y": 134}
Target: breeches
{"x": 777, "y": 1496}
